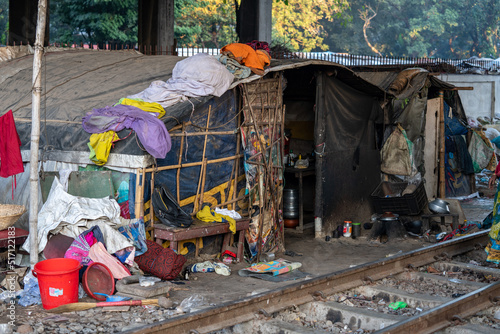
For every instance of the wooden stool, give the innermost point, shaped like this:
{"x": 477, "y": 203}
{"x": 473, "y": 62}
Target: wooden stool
{"x": 427, "y": 218}
{"x": 201, "y": 229}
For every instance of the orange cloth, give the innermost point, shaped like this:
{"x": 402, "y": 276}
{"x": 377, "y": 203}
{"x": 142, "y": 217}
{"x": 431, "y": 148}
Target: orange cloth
{"x": 246, "y": 55}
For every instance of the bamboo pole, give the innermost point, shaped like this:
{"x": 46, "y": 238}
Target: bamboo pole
{"x": 178, "y": 177}
{"x": 151, "y": 211}
{"x": 236, "y": 165}
{"x": 202, "y": 133}
{"x": 138, "y": 192}
{"x": 199, "y": 201}
{"x": 193, "y": 164}
{"x": 231, "y": 201}
{"x": 261, "y": 217}
{"x": 202, "y": 193}
{"x": 35, "y": 130}
{"x": 442, "y": 185}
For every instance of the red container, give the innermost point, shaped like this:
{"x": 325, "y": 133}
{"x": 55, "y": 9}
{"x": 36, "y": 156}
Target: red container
{"x": 98, "y": 278}
{"x": 58, "y": 281}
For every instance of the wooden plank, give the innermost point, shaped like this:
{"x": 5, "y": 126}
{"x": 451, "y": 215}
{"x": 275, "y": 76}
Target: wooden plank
{"x": 431, "y": 148}
{"x": 197, "y": 230}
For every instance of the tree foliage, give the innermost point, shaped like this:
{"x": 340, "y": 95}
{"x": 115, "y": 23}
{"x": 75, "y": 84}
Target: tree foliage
{"x": 4, "y": 21}
{"x": 94, "y": 21}
{"x": 204, "y": 23}
{"x": 419, "y": 28}
{"x": 300, "y": 24}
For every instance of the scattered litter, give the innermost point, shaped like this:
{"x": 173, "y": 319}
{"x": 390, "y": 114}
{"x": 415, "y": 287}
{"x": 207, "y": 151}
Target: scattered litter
{"x": 31, "y": 293}
{"x": 203, "y": 267}
{"x": 292, "y": 253}
{"x": 222, "y": 269}
{"x": 397, "y": 305}
{"x": 455, "y": 280}
{"x": 393, "y": 254}
{"x": 191, "y": 304}
{"x": 148, "y": 280}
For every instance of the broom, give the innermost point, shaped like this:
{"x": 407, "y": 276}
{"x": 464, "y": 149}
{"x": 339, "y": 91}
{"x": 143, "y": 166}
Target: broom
{"x": 73, "y": 307}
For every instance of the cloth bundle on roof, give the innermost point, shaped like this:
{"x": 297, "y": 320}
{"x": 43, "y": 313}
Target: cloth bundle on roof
{"x": 256, "y": 60}
{"x": 151, "y": 131}
{"x": 198, "y": 75}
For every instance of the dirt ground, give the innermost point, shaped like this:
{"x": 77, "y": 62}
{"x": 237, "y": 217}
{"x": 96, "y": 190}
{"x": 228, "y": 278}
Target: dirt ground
{"x": 318, "y": 257}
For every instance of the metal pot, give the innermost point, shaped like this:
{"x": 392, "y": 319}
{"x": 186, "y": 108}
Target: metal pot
{"x": 439, "y": 206}
{"x": 389, "y": 216}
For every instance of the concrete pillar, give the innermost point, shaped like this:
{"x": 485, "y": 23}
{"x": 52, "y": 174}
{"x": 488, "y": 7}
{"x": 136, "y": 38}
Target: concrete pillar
{"x": 166, "y": 24}
{"x": 265, "y": 20}
{"x": 254, "y": 20}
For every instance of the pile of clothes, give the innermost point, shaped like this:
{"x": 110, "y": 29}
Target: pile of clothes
{"x": 196, "y": 76}
{"x": 100, "y": 235}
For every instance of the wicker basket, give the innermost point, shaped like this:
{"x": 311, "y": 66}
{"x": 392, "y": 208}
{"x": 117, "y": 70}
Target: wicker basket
{"x": 9, "y": 214}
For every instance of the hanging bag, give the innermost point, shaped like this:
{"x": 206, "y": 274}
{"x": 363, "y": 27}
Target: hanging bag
{"x": 167, "y": 210}
{"x": 397, "y": 154}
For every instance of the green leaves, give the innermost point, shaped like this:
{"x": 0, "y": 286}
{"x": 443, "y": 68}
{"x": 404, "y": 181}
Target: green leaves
{"x": 94, "y": 21}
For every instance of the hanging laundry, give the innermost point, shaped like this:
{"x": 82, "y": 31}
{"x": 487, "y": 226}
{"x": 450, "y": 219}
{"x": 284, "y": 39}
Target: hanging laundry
{"x": 198, "y": 75}
{"x": 151, "y": 131}
{"x": 246, "y": 55}
{"x": 11, "y": 162}
{"x": 100, "y": 146}
{"x": 151, "y": 107}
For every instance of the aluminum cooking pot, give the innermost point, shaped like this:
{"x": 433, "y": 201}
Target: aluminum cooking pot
{"x": 439, "y": 206}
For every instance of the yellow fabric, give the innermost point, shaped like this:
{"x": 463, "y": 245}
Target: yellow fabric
{"x": 183, "y": 250}
{"x": 146, "y": 106}
{"x": 211, "y": 216}
{"x": 100, "y": 145}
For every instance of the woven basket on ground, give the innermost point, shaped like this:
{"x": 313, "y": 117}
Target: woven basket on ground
{"x": 9, "y": 214}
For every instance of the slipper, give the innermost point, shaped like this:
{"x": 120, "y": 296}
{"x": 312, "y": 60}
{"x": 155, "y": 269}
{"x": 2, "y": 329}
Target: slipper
{"x": 222, "y": 269}
{"x": 203, "y": 267}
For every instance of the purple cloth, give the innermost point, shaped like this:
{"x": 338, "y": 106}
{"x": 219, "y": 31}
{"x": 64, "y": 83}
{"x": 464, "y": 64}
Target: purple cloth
{"x": 151, "y": 131}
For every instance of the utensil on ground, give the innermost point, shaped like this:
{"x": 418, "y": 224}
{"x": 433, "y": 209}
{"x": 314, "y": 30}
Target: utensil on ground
{"x": 439, "y": 206}
{"x": 112, "y": 298}
{"x": 73, "y": 307}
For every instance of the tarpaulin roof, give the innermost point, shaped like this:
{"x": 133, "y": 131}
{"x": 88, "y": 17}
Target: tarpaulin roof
{"x": 77, "y": 81}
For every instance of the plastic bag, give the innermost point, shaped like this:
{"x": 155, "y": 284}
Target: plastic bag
{"x": 397, "y": 154}
{"x": 480, "y": 152}
{"x": 148, "y": 280}
{"x": 31, "y": 292}
{"x": 191, "y": 304}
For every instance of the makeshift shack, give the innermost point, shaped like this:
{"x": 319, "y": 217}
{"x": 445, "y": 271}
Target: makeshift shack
{"x": 217, "y": 143}
{"x": 431, "y": 113}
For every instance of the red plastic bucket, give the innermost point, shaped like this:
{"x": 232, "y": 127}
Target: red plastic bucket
{"x": 58, "y": 281}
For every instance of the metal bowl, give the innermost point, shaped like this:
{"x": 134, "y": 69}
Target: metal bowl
{"x": 439, "y": 206}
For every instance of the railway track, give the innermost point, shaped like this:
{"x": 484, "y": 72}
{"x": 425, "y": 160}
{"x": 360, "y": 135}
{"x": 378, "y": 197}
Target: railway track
{"x": 438, "y": 284}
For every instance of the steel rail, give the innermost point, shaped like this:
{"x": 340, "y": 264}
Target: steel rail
{"x": 444, "y": 315}
{"x": 235, "y": 312}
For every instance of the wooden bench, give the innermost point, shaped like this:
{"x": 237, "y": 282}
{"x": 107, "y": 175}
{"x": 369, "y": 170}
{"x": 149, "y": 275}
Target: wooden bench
{"x": 201, "y": 229}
